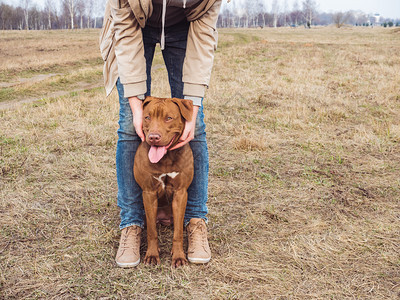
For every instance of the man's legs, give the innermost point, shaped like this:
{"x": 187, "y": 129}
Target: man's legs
{"x": 129, "y": 192}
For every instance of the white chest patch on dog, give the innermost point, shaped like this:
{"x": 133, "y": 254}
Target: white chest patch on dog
{"x": 173, "y": 174}
{"x": 160, "y": 178}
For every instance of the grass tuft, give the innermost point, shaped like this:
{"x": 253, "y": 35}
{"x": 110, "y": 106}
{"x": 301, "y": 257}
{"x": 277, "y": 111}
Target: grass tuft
{"x": 247, "y": 144}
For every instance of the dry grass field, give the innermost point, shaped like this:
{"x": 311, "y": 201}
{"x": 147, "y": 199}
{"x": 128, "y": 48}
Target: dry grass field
{"x": 304, "y": 199}
{"x": 43, "y": 64}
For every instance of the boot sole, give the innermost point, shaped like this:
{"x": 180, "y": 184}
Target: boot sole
{"x": 199, "y": 260}
{"x": 128, "y": 265}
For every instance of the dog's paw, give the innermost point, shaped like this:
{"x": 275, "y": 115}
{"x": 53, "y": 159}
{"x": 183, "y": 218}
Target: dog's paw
{"x": 152, "y": 258}
{"x": 178, "y": 261}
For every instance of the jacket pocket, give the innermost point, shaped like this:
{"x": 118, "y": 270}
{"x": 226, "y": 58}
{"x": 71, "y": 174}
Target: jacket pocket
{"x": 106, "y": 38}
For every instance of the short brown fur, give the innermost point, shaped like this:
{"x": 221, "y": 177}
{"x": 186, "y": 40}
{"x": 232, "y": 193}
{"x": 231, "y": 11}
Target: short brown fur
{"x": 172, "y": 190}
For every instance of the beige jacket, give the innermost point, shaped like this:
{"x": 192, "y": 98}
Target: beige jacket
{"x": 121, "y": 46}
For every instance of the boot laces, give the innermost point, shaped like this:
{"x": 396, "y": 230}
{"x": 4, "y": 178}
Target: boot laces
{"x": 197, "y": 234}
{"x": 129, "y": 238}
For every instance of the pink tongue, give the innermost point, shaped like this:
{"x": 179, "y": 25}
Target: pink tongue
{"x": 156, "y": 153}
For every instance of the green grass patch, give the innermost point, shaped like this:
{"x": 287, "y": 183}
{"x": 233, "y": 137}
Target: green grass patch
{"x": 54, "y": 84}
{"x": 13, "y": 154}
{"x": 29, "y": 72}
{"x": 235, "y": 39}
{"x": 7, "y": 94}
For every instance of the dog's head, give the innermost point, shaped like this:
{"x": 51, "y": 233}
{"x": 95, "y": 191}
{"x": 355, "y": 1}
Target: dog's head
{"x": 163, "y": 123}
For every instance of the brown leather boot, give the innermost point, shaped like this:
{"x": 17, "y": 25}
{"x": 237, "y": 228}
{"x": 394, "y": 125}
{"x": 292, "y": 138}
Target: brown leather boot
{"x": 198, "y": 251}
{"x": 128, "y": 254}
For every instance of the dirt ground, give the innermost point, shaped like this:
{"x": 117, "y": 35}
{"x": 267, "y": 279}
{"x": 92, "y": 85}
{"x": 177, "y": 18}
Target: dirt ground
{"x": 303, "y": 132}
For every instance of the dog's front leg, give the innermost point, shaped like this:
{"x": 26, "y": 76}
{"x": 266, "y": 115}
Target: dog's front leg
{"x": 150, "y": 203}
{"x": 178, "y": 210}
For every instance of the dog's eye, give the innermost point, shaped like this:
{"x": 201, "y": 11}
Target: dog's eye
{"x": 147, "y": 118}
{"x": 169, "y": 118}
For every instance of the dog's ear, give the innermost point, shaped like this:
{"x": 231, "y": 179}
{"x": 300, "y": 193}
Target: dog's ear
{"x": 185, "y": 106}
{"x": 147, "y": 100}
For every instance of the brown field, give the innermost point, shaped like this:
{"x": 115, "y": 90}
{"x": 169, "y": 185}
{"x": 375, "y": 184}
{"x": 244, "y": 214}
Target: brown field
{"x": 304, "y": 141}
{"x": 42, "y": 64}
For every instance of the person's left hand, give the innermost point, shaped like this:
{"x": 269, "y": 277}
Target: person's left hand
{"x": 188, "y": 132}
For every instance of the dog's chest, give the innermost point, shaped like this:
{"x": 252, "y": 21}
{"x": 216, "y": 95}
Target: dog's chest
{"x": 165, "y": 179}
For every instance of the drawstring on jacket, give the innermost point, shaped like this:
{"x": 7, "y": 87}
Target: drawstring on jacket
{"x": 164, "y": 10}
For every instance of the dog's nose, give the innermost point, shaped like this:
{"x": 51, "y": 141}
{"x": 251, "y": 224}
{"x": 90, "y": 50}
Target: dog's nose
{"x": 154, "y": 138}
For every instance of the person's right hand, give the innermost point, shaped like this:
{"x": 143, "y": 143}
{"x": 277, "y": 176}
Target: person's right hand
{"x": 137, "y": 112}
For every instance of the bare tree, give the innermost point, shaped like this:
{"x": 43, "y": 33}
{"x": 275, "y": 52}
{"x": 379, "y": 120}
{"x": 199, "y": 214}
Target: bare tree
{"x": 80, "y": 7}
{"x": 6, "y": 13}
{"x": 262, "y": 9}
{"x": 23, "y": 14}
{"x": 49, "y": 7}
{"x": 234, "y": 10}
{"x": 309, "y": 11}
{"x": 35, "y": 21}
{"x": 296, "y": 14}
{"x": 26, "y": 4}
{"x": 251, "y": 8}
{"x": 70, "y": 6}
{"x": 340, "y": 18}
{"x": 285, "y": 12}
{"x": 275, "y": 12}
{"x": 245, "y": 15}
{"x": 99, "y": 8}
{"x": 18, "y": 19}
{"x": 89, "y": 11}
{"x": 225, "y": 18}
{"x": 361, "y": 19}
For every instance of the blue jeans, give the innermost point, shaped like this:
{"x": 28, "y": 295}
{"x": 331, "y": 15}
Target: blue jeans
{"x": 129, "y": 193}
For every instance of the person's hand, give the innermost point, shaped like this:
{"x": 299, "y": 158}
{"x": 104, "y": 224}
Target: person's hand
{"x": 137, "y": 111}
{"x": 188, "y": 132}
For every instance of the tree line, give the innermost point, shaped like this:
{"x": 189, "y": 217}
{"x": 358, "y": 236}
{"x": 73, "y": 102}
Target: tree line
{"x": 256, "y": 13}
{"x": 73, "y": 14}
{"x": 56, "y": 14}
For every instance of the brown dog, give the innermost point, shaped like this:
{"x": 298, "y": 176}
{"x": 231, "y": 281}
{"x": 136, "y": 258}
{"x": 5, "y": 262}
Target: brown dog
{"x": 164, "y": 175}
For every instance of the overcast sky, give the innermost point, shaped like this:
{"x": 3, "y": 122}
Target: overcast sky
{"x": 386, "y": 8}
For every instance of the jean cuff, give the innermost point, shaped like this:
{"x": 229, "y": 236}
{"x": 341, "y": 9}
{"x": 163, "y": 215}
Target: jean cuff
{"x": 141, "y": 225}
{"x": 186, "y": 223}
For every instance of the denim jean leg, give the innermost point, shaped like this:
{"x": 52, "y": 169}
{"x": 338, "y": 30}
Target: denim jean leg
{"x": 173, "y": 58}
{"x": 198, "y": 189}
{"x": 129, "y": 193}
{"x": 150, "y": 39}
{"x": 174, "y": 55}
